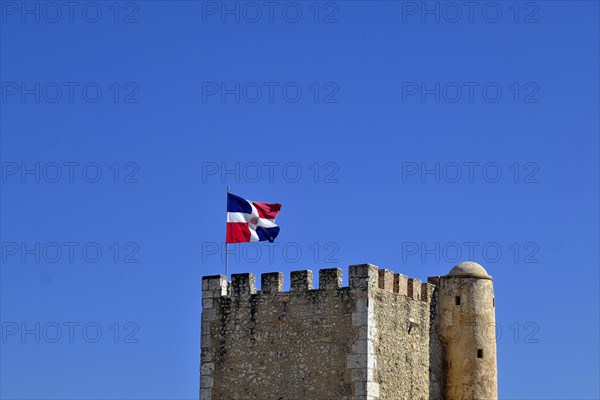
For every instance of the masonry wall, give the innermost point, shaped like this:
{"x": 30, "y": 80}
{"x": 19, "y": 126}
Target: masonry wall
{"x": 402, "y": 317}
{"x": 279, "y": 345}
{"x": 367, "y": 341}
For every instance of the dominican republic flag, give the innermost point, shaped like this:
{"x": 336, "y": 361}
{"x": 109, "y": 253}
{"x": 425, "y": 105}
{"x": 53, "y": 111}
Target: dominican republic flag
{"x": 250, "y": 221}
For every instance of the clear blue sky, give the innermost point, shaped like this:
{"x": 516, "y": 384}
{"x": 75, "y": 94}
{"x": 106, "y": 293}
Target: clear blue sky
{"x": 398, "y": 124}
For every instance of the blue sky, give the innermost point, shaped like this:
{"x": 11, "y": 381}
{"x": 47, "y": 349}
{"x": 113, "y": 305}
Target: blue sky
{"x": 406, "y": 135}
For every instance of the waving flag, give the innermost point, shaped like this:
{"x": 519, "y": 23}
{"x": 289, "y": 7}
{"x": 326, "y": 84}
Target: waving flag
{"x": 250, "y": 221}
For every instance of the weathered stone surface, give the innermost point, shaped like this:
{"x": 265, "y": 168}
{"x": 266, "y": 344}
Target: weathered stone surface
{"x": 271, "y": 283}
{"x": 401, "y": 284}
{"x": 330, "y": 278}
{"x": 402, "y": 347}
{"x": 386, "y": 336}
{"x": 270, "y": 349}
{"x": 386, "y": 280}
{"x": 301, "y": 280}
{"x": 467, "y": 333}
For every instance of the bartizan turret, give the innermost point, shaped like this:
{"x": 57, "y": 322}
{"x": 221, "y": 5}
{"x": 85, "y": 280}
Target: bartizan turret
{"x": 466, "y": 312}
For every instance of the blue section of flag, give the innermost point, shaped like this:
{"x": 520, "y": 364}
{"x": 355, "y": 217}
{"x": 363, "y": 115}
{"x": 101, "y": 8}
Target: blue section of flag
{"x": 267, "y": 233}
{"x": 237, "y": 204}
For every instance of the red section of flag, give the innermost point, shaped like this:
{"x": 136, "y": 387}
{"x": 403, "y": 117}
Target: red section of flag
{"x": 237, "y": 232}
{"x": 266, "y": 210}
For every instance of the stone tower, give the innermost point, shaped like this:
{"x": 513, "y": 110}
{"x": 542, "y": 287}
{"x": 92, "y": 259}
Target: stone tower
{"x": 467, "y": 330}
{"x": 384, "y": 336}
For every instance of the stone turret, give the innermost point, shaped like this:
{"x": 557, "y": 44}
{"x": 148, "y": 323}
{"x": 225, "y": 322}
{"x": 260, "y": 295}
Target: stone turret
{"x": 466, "y": 327}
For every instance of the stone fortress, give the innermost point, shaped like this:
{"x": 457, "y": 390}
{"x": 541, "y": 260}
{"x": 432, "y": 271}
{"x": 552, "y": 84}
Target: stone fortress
{"x": 385, "y": 336}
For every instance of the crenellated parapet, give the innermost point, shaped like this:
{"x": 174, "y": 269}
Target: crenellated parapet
{"x": 362, "y": 277}
{"x": 245, "y": 329}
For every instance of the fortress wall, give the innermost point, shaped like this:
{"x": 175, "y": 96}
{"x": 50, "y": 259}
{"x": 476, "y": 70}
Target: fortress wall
{"x": 402, "y": 317}
{"x": 279, "y": 345}
{"x": 363, "y": 342}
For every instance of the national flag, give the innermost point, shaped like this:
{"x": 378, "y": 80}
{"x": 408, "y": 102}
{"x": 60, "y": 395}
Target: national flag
{"x": 250, "y": 221}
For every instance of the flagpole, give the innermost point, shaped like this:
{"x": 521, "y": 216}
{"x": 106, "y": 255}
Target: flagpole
{"x": 226, "y": 265}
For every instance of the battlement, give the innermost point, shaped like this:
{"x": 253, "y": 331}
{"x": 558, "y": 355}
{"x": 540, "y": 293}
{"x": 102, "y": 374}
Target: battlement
{"x": 245, "y": 329}
{"x": 362, "y": 277}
